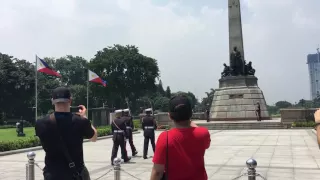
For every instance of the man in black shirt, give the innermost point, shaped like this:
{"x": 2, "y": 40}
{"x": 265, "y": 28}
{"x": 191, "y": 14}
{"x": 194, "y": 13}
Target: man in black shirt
{"x": 64, "y": 129}
{"x": 130, "y": 127}
{"x": 118, "y": 128}
{"x": 148, "y": 125}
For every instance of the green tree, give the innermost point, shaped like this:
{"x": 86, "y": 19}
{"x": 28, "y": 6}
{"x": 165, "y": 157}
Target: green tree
{"x": 161, "y": 103}
{"x": 207, "y": 101}
{"x": 73, "y": 70}
{"x": 79, "y": 94}
{"x": 17, "y": 87}
{"x": 130, "y": 74}
{"x": 273, "y": 109}
{"x": 168, "y": 92}
{"x": 283, "y": 104}
{"x": 160, "y": 89}
{"x": 190, "y": 95}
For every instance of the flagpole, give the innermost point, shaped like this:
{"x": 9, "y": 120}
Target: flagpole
{"x": 88, "y": 95}
{"x": 36, "y": 90}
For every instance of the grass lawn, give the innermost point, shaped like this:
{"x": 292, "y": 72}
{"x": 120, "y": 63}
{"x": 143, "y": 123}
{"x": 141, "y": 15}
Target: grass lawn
{"x": 11, "y": 134}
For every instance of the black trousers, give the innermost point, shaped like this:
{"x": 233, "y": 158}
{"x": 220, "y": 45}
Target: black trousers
{"x": 258, "y": 114}
{"x": 57, "y": 175}
{"x": 130, "y": 139}
{"x": 118, "y": 140}
{"x": 146, "y": 144}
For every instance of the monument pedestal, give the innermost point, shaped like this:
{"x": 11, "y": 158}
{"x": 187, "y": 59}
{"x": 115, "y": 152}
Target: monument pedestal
{"x": 236, "y": 99}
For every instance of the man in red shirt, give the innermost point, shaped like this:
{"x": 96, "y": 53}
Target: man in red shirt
{"x": 179, "y": 153}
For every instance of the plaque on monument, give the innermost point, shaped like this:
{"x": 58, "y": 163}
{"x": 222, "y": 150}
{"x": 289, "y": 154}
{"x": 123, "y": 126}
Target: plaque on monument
{"x": 238, "y": 93}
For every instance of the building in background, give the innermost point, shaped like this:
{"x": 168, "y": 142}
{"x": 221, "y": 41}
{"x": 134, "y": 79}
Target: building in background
{"x": 313, "y": 61}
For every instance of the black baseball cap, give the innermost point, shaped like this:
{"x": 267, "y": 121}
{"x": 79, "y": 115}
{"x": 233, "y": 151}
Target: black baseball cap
{"x": 61, "y": 94}
{"x": 180, "y": 108}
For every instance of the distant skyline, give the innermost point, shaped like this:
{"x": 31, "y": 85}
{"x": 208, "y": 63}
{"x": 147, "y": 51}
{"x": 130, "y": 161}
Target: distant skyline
{"x": 188, "y": 38}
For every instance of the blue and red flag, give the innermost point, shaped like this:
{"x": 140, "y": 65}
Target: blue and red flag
{"x": 93, "y": 77}
{"x": 43, "y": 67}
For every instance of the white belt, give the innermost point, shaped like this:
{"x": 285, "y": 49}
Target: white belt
{"x": 118, "y": 131}
{"x": 128, "y": 127}
{"x": 149, "y": 127}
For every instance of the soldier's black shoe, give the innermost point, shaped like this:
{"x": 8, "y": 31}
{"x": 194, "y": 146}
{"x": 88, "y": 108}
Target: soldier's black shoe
{"x": 134, "y": 153}
{"x": 145, "y": 157}
{"x": 127, "y": 160}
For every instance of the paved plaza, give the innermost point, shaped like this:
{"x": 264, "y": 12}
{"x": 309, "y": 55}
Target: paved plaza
{"x": 281, "y": 155}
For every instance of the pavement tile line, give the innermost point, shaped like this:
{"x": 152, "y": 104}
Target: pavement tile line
{"x": 281, "y": 155}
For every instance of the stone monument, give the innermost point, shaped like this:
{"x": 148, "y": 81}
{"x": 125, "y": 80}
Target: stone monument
{"x": 238, "y": 94}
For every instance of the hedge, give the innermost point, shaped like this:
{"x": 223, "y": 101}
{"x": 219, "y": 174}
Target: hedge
{"x": 137, "y": 124}
{"x": 34, "y": 141}
{"x": 7, "y": 126}
{"x": 304, "y": 124}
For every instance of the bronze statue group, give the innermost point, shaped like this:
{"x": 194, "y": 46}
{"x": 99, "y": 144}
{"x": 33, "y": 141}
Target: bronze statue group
{"x": 238, "y": 66}
{"x": 122, "y": 127}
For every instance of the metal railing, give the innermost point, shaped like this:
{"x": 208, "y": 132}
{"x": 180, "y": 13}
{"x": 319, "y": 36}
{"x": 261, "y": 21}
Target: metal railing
{"x": 251, "y": 171}
{"x": 30, "y": 169}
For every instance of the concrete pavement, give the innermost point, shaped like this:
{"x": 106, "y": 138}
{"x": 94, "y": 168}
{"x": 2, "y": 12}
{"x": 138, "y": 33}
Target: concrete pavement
{"x": 281, "y": 155}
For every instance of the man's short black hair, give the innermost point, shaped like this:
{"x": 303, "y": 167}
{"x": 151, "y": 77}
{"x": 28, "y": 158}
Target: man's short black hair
{"x": 180, "y": 108}
{"x": 61, "y": 94}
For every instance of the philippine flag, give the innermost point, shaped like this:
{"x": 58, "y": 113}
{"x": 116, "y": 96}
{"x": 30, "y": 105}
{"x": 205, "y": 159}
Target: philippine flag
{"x": 93, "y": 77}
{"x": 43, "y": 67}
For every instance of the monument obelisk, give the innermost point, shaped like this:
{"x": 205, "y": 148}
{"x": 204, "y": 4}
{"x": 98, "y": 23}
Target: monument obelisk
{"x": 238, "y": 96}
{"x": 235, "y": 27}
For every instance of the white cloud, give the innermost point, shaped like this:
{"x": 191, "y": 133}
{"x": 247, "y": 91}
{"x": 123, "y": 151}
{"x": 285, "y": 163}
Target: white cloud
{"x": 190, "y": 43}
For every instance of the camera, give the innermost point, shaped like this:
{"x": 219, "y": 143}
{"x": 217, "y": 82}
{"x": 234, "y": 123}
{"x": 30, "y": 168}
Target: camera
{"x": 75, "y": 109}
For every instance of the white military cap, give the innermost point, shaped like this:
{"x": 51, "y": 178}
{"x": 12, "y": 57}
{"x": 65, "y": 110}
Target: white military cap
{"x": 148, "y": 110}
{"x": 118, "y": 111}
{"x": 126, "y": 110}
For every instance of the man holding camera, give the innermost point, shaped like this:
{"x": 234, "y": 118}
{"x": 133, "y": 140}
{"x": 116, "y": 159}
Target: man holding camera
{"x": 61, "y": 134}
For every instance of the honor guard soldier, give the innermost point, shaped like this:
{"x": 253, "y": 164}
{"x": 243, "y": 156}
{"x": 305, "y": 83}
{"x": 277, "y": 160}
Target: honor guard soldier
{"x": 130, "y": 127}
{"x": 258, "y": 111}
{"x": 148, "y": 125}
{"x": 118, "y": 128}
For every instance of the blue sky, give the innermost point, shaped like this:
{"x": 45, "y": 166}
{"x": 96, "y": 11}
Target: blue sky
{"x": 185, "y": 36}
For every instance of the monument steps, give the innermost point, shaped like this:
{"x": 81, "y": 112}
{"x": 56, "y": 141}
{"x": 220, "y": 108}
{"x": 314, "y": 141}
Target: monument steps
{"x": 234, "y": 125}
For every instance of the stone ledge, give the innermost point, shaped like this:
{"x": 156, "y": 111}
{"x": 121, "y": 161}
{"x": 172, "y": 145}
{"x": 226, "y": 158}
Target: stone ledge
{"x": 37, "y": 148}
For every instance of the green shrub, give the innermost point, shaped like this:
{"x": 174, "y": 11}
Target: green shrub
{"x": 303, "y": 124}
{"x": 164, "y": 127}
{"x": 7, "y": 126}
{"x": 137, "y": 124}
{"x": 19, "y": 144}
{"x": 25, "y": 124}
{"x": 104, "y": 131}
{"x": 34, "y": 141}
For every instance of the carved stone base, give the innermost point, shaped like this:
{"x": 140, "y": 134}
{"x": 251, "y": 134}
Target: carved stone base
{"x": 236, "y": 99}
